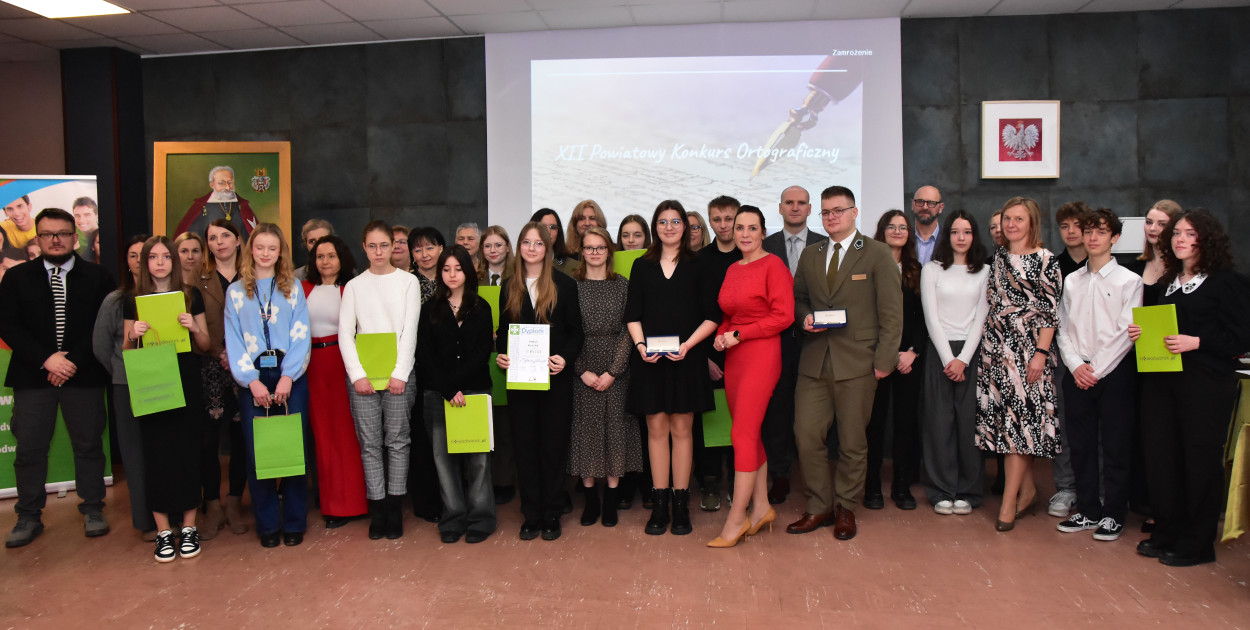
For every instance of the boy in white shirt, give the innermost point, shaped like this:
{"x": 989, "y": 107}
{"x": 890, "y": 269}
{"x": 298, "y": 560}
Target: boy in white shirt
{"x": 1099, "y": 387}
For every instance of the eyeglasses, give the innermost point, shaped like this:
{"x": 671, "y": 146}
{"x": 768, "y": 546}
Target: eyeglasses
{"x": 597, "y": 249}
{"x": 56, "y": 236}
{"x": 377, "y": 247}
{"x": 668, "y": 222}
{"x": 401, "y": 241}
{"x": 837, "y": 212}
{"x": 696, "y": 228}
{"x": 533, "y": 244}
{"x": 896, "y": 228}
{"x": 925, "y": 203}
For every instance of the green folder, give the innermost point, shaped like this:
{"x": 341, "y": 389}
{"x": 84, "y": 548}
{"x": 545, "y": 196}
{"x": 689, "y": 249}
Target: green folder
{"x": 1156, "y": 323}
{"x": 717, "y": 423}
{"x": 623, "y": 262}
{"x": 498, "y": 382}
{"x": 161, "y": 311}
{"x": 471, "y": 428}
{"x": 278, "y": 446}
{"x": 378, "y": 354}
{"x": 491, "y": 295}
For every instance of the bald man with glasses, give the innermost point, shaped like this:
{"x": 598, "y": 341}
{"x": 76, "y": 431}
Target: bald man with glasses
{"x": 927, "y": 206}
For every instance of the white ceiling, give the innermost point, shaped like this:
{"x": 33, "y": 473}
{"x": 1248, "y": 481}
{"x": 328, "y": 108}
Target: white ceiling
{"x": 165, "y": 27}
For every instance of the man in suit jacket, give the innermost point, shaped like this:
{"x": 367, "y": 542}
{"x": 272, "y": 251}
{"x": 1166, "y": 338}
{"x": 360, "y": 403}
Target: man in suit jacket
{"x": 53, "y": 366}
{"x": 839, "y": 367}
{"x": 777, "y": 431}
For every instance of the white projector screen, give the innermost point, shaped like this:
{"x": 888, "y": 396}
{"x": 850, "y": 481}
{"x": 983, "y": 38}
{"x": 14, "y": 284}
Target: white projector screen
{"x": 633, "y": 116}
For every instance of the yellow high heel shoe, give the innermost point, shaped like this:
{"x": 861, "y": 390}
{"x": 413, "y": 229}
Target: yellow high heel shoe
{"x": 767, "y": 520}
{"x": 721, "y": 543}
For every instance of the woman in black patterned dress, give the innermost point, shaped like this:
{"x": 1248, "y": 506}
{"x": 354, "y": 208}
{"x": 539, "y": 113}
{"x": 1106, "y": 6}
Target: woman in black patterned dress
{"x": 1015, "y": 385}
{"x": 605, "y": 440}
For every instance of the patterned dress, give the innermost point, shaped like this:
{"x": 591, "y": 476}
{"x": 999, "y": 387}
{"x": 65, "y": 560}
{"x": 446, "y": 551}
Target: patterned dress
{"x": 1013, "y": 415}
{"x": 604, "y": 439}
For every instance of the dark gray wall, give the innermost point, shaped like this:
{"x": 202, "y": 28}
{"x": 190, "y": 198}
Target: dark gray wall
{"x": 391, "y": 131}
{"x": 1154, "y": 105}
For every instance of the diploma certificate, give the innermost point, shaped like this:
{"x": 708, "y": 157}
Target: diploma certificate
{"x": 835, "y": 318}
{"x": 529, "y": 347}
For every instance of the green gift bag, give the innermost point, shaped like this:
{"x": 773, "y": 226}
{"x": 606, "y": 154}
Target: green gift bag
{"x": 278, "y": 442}
{"x": 153, "y": 379}
{"x": 717, "y": 423}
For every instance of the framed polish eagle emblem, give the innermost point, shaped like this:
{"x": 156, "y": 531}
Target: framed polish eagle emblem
{"x": 1019, "y": 139}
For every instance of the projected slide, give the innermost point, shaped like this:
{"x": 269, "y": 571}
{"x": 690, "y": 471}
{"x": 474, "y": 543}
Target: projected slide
{"x": 630, "y": 117}
{"x": 693, "y": 128}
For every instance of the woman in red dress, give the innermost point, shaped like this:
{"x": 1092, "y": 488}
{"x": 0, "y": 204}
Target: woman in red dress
{"x": 340, "y": 474}
{"x": 757, "y": 299}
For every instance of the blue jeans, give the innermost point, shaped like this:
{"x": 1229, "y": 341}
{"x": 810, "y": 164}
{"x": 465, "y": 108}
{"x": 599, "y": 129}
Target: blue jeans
{"x": 292, "y": 515}
{"x": 463, "y": 510}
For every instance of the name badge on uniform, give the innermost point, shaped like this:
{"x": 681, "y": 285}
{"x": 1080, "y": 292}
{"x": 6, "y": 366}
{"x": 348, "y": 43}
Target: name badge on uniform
{"x": 859, "y": 276}
{"x": 834, "y": 318}
{"x": 269, "y": 361}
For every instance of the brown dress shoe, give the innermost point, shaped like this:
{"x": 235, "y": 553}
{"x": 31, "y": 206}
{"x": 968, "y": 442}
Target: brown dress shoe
{"x": 844, "y": 528}
{"x": 809, "y": 523}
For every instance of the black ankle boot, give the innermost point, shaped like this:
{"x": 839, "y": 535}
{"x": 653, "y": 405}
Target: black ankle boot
{"x": 609, "y": 506}
{"x": 395, "y": 516}
{"x": 658, "y": 522}
{"x": 681, "y": 512}
{"x": 377, "y": 518}
{"x": 591, "y": 511}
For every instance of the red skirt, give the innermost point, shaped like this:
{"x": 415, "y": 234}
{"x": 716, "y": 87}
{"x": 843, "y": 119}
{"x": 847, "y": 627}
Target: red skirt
{"x": 340, "y": 475}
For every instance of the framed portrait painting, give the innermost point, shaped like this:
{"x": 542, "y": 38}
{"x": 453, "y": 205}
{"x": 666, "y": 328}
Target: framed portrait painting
{"x": 1019, "y": 139}
{"x": 196, "y": 183}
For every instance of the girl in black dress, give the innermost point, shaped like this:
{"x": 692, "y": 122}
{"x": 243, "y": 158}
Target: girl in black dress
{"x": 171, "y": 439}
{"x": 537, "y": 294}
{"x": 667, "y": 297}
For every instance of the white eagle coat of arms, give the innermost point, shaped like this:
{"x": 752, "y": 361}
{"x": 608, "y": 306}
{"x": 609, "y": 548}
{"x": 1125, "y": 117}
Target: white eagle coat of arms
{"x": 1020, "y": 140}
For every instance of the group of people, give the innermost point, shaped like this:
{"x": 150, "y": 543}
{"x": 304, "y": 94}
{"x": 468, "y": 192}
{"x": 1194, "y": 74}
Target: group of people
{"x": 963, "y": 345}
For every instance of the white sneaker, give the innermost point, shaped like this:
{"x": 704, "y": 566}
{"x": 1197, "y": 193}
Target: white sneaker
{"x": 944, "y": 507}
{"x": 962, "y": 507}
{"x": 1061, "y": 503}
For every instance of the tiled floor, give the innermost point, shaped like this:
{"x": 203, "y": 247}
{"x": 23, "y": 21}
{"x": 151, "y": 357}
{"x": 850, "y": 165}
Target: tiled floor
{"x": 904, "y": 570}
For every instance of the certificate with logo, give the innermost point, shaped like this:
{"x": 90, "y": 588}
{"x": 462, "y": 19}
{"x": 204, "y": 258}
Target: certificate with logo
{"x": 529, "y": 347}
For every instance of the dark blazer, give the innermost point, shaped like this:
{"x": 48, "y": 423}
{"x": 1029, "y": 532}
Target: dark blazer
{"x": 214, "y": 312}
{"x": 869, "y": 287}
{"x": 915, "y": 330}
{"x": 454, "y": 358}
{"x": 775, "y": 244}
{"x": 27, "y": 322}
{"x": 565, "y": 320}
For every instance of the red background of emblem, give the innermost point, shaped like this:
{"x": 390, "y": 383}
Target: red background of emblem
{"x": 1004, "y": 154}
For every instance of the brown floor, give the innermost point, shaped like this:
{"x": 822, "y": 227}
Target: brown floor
{"x": 905, "y": 570}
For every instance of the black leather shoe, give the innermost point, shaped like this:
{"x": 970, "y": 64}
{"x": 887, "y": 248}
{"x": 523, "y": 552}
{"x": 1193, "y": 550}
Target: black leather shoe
{"x": 874, "y": 500}
{"x": 1151, "y": 548}
{"x": 529, "y": 530}
{"x": 903, "y": 499}
{"x": 1178, "y": 559}
{"x": 270, "y": 540}
{"x": 335, "y": 522}
{"x": 780, "y": 490}
{"x": 292, "y": 539}
{"x": 449, "y": 537}
{"x": 473, "y": 537}
{"x": 551, "y": 529}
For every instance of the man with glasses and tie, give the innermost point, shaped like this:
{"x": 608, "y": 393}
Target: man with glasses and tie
{"x": 848, "y": 296}
{"x": 777, "y": 432}
{"x": 927, "y": 206}
{"x": 48, "y": 319}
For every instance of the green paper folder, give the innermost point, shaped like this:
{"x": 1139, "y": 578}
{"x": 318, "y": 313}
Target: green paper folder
{"x": 161, "y": 311}
{"x": 153, "y": 379}
{"x": 491, "y": 295}
{"x": 378, "y": 354}
{"x": 471, "y": 428}
{"x": 278, "y": 442}
{"x": 1156, "y": 323}
{"x": 717, "y": 423}
{"x": 498, "y": 382}
{"x": 623, "y": 262}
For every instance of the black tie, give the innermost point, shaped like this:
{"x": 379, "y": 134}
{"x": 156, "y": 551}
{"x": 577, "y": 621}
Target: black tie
{"x": 494, "y": 279}
{"x": 58, "y": 300}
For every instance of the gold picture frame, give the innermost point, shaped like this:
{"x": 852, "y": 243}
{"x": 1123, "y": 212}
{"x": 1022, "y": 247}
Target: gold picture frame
{"x": 180, "y": 184}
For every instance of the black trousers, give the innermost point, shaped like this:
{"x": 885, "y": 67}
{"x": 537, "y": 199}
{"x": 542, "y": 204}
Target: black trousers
{"x": 1100, "y": 424}
{"x": 903, "y": 390}
{"x": 777, "y": 431}
{"x": 1185, "y": 418}
{"x": 423, "y": 481}
{"x": 541, "y": 422}
{"x": 34, "y": 418}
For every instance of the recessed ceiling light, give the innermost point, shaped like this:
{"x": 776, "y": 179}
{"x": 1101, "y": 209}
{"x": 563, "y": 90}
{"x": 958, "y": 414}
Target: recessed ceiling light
{"x": 68, "y": 8}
